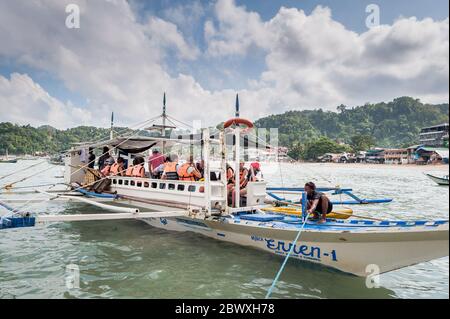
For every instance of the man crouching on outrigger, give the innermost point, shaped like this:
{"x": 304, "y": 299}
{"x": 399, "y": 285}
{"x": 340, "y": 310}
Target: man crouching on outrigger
{"x": 318, "y": 203}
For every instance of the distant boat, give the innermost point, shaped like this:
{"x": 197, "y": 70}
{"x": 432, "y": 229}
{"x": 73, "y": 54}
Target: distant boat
{"x": 10, "y": 161}
{"x": 56, "y": 160}
{"x": 439, "y": 180}
{"x": 6, "y": 159}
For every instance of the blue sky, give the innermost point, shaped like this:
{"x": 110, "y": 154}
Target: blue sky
{"x": 203, "y": 51}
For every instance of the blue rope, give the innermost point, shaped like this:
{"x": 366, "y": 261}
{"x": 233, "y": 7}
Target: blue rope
{"x": 286, "y": 259}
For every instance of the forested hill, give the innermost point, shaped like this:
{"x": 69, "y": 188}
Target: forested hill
{"x": 307, "y": 133}
{"x": 393, "y": 124}
{"x": 27, "y": 140}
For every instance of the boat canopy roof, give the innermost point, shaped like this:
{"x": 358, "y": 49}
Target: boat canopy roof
{"x": 142, "y": 143}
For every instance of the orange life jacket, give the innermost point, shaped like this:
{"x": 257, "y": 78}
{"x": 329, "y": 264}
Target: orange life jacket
{"x": 170, "y": 170}
{"x": 106, "y": 170}
{"x": 138, "y": 171}
{"x": 183, "y": 173}
{"x": 116, "y": 169}
{"x": 129, "y": 171}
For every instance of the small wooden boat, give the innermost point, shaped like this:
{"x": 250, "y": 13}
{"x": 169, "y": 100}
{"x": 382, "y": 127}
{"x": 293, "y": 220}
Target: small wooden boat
{"x": 439, "y": 180}
{"x": 8, "y": 160}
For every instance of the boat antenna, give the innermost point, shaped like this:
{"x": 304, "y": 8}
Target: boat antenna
{"x": 111, "y": 132}
{"x": 164, "y": 116}
{"x": 237, "y": 105}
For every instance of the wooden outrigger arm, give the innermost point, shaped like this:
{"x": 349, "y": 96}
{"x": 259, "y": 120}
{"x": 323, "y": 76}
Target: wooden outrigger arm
{"x": 94, "y": 203}
{"x": 113, "y": 216}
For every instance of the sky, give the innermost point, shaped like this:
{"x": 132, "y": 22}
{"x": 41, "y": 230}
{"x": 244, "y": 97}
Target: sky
{"x": 278, "y": 55}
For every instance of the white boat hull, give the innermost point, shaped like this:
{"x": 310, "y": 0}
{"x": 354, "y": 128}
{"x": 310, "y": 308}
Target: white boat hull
{"x": 357, "y": 253}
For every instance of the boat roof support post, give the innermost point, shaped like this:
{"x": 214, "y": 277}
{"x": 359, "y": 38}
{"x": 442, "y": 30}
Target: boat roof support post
{"x": 207, "y": 173}
{"x": 237, "y": 154}
{"x": 223, "y": 166}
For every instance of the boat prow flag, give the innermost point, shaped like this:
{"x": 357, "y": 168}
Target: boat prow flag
{"x": 237, "y": 105}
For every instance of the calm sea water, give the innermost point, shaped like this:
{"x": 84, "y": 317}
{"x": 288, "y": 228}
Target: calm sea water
{"x": 129, "y": 259}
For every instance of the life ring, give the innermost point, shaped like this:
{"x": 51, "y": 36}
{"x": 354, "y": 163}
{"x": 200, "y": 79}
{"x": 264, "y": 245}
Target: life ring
{"x": 237, "y": 120}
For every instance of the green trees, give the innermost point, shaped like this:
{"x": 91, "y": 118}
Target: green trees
{"x": 308, "y": 133}
{"x": 393, "y": 124}
{"x": 28, "y": 140}
{"x": 317, "y": 147}
{"x": 362, "y": 142}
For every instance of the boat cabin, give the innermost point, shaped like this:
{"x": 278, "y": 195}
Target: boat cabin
{"x": 208, "y": 194}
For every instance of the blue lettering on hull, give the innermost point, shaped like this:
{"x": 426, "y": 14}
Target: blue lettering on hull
{"x": 299, "y": 250}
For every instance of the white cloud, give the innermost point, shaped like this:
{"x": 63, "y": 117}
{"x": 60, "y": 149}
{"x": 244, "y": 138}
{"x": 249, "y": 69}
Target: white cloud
{"x": 166, "y": 35}
{"x": 24, "y": 101}
{"x": 118, "y": 63}
{"x": 313, "y": 60}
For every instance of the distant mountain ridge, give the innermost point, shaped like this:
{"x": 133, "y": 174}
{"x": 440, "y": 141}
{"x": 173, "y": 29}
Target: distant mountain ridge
{"x": 393, "y": 124}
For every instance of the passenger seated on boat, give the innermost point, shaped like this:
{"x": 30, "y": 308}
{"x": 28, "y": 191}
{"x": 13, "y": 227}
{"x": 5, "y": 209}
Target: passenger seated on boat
{"x": 188, "y": 171}
{"x": 154, "y": 161}
{"x": 138, "y": 167}
{"x": 129, "y": 170}
{"x": 118, "y": 168}
{"x": 200, "y": 166}
{"x": 107, "y": 166}
{"x": 157, "y": 173}
{"x": 243, "y": 181}
{"x": 318, "y": 203}
{"x": 230, "y": 178}
{"x": 103, "y": 158}
{"x": 171, "y": 168}
{"x": 254, "y": 175}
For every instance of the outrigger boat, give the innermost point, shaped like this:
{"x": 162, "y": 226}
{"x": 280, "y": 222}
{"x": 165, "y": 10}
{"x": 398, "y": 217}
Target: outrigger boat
{"x": 349, "y": 245}
{"x": 439, "y": 180}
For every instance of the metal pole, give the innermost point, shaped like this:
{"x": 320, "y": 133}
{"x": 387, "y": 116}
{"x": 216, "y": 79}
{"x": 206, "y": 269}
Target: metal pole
{"x": 223, "y": 174}
{"x": 207, "y": 169}
{"x": 163, "y": 129}
{"x": 237, "y": 188}
{"x": 111, "y": 132}
{"x": 304, "y": 205}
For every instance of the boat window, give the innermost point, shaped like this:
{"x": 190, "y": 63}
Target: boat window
{"x": 139, "y": 184}
{"x": 171, "y": 186}
{"x": 146, "y": 184}
{"x": 114, "y": 181}
{"x": 162, "y": 186}
{"x": 201, "y": 189}
{"x": 154, "y": 184}
{"x": 126, "y": 182}
{"x": 120, "y": 182}
{"x": 180, "y": 187}
{"x": 191, "y": 188}
{"x": 132, "y": 183}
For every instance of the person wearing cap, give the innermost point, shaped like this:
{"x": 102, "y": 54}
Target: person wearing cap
{"x": 245, "y": 176}
{"x": 254, "y": 173}
{"x": 154, "y": 161}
